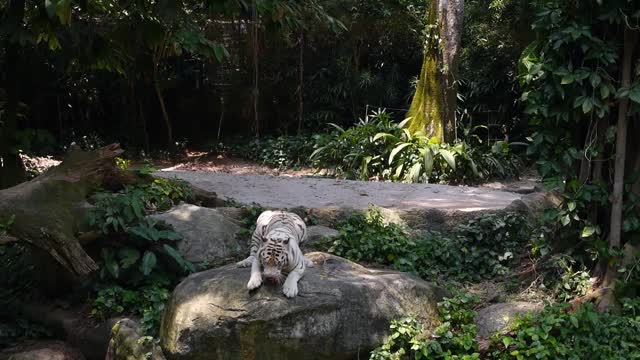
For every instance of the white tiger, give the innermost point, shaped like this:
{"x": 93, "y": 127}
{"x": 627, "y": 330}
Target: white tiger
{"x": 275, "y": 247}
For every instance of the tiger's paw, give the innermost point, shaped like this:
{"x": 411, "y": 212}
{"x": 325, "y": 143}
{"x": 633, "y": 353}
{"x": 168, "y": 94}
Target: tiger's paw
{"x": 245, "y": 263}
{"x": 290, "y": 290}
{"x": 308, "y": 263}
{"x": 254, "y": 282}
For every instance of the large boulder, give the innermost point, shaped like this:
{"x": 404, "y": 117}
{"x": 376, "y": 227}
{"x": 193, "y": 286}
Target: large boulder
{"x": 498, "y": 317}
{"x": 316, "y": 234}
{"x": 342, "y": 311}
{"x": 41, "y": 350}
{"x": 208, "y": 234}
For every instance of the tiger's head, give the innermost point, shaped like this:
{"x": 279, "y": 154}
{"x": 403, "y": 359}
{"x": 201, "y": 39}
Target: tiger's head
{"x": 273, "y": 254}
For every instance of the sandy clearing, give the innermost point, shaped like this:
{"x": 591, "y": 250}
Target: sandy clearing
{"x": 313, "y": 192}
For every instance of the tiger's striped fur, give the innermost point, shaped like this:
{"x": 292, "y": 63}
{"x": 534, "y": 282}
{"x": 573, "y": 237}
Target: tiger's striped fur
{"x": 275, "y": 251}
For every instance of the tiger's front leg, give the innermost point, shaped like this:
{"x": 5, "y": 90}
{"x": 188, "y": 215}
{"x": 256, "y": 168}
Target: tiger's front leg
{"x": 290, "y": 287}
{"x": 256, "y": 275}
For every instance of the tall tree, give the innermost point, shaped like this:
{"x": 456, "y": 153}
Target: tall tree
{"x": 433, "y": 108}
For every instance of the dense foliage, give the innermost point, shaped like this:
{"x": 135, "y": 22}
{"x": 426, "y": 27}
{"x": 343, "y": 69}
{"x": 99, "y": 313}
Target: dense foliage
{"x": 481, "y": 249}
{"x": 379, "y": 148}
{"x": 138, "y": 262}
{"x": 554, "y": 333}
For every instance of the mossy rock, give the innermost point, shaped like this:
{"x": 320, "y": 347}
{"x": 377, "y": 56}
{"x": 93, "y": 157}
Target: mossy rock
{"x": 343, "y": 311}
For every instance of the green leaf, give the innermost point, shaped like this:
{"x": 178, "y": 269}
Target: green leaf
{"x": 574, "y": 321}
{"x": 449, "y": 158}
{"x": 177, "y": 257}
{"x": 507, "y": 341}
{"x": 634, "y": 94}
{"x": 384, "y": 135}
{"x": 587, "y": 105}
{"x": 428, "y": 161}
{"x": 128, "y": 256}
{"x": 474, "y": 168}
{"x": 218, "y": 51}
{"x": 110, "y": 262}
{"x": 63, "y": 10}
{"x": 588, "y": 231}
{"x": 396, "y": 150}
{"x": 148, "y": 263}
{"x": 51, "y": 7}
{"x": 567, "y": 79}
{"x": 414, "y": 173}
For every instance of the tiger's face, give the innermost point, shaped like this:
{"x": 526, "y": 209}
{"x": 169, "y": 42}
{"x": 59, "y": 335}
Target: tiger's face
{"x": 274, "y": 254}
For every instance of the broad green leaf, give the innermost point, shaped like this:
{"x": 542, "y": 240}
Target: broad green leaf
{"x": 587, "y": 105}
{"x": 51, "y": 7}
{"x": 587, "y": 231}
{"x": 63, "y": 10}
{"x": 428, "y": 161}
{"x": 474, "y": 167}
{"x": 110, "y": 262}
{"x": 384, "y": 135}
{"x": 177, "y": 257}
{"x": 449, "y": 158}
{"x": 414, "y": 173}
{"x": 148, "y": 263}
{"x": 634, "y": 94}
{"x": 404, "y": 122}
{"x": 567, "y": 79}
{"x": 218, "y": 51}
{"x": 128, "y": 256}
{"x": 396, "y": 150}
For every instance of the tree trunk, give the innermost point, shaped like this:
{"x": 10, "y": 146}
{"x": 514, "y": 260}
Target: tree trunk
{"x": 50, "y": 209}
{"x": 300, "y": 80}
{"x": 11, "y": 167}
{"x": 165, "y": 115}
{"x": 450, "y": 18}
{"x": 630, "y": 39}
{"x": 433, "y": 108}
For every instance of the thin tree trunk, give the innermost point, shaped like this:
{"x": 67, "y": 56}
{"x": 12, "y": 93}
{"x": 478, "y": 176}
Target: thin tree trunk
{"x": 254, "y": 41}
{"x": 165, "y": 115}
{"x": 301, "y": 81}
{"x": 450, "y": 18}
{"x": 11, "y": 167}
{"x": 608, "y": 299}
{"x": 630, "y": 39}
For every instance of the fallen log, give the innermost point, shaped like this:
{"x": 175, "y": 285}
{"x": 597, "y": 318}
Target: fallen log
{"x": 49, "y": 210}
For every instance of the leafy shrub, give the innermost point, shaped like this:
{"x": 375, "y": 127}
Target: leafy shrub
{"x": 555, "y": 333}
{"x": 365, "y": 237}
{"x": 143, "y": 245}
{"x": 481, "y": 249}
{"x": 280, "y": 152}
{"x": 147, "y": 303}
{"x": 558, "y": 333}
{"x": 378, "y": 148}
{"x": 455, "y": 338}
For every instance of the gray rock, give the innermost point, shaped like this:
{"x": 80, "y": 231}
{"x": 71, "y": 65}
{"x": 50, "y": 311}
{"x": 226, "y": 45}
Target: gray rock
{"x": 208, "y": 235}
{"x": 129, "y": 343}
{"x": 497, "y": 317}
{"x": 316, "y": 233}
{"x": 41, "y": 350}
{"x": 343, "y": 311}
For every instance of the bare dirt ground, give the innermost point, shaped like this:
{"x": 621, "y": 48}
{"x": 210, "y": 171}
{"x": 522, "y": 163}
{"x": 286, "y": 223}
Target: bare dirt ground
{"x": 200, "y": 161}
